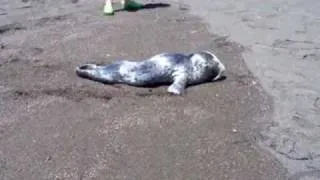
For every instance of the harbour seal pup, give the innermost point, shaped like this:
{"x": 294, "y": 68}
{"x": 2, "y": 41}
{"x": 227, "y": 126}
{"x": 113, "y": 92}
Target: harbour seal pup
{"x": 177, "y": 69}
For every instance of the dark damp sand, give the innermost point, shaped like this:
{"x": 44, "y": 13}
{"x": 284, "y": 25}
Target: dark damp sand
{"x": 282, "y": 45}
{"x": 55, "y": 125}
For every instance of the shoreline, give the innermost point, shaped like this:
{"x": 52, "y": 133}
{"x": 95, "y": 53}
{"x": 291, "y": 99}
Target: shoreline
{"x": 282, "y": 51}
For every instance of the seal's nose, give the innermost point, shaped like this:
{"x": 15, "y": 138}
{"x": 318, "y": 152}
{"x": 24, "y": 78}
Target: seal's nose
{"x": 222, "y": 68}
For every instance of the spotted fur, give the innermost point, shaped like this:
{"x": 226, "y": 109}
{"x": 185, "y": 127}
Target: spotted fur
{"x": 178, "y": 70}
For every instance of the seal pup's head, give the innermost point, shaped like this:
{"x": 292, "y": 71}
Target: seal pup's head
{"x": 218, "y": 66}
{"x": 208, "y": 65}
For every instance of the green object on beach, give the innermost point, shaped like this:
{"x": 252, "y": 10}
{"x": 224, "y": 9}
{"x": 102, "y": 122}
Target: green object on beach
{"x": 132, "y": 5}
{"x": 129, "y": 5}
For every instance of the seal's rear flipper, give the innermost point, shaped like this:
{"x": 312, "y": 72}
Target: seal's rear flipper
{"x": 95, "y": 73}
{"x": 86, "y": 71}
{"x": 90, "y": 71}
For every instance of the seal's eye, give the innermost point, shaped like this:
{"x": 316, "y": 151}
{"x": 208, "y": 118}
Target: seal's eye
{"x": 215, "y": 72}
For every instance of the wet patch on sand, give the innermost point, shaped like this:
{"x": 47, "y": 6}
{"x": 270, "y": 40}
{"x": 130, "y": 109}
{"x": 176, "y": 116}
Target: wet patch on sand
{"x": 74, "y": 93}
{"x": 11, "y": 28}
{"x": 285, "y": 57}
{"x": 46, "y": 21}
{"x": 14, "y": 54}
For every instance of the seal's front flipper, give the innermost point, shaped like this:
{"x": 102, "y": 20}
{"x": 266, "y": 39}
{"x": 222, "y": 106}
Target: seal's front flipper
{"x": 179, "y": 84}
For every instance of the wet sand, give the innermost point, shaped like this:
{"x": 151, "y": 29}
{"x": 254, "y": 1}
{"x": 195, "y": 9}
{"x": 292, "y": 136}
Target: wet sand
{"x": 282, "y": 49}
{"x": 55, "y": 125}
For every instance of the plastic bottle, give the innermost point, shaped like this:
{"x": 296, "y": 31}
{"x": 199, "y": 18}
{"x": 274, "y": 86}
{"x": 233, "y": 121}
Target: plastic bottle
{"x": 111, "y": 6}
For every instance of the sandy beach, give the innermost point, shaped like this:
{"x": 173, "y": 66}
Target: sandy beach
{"x": 282, "y": 45}
{"x": 258, "y": 123}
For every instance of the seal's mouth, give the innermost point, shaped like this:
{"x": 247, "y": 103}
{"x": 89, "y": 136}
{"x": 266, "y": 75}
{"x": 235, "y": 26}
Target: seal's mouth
{"x": 221, "y": 73}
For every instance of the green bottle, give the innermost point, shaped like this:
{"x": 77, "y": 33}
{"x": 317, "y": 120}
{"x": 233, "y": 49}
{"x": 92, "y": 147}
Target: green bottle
{"x": 129, "y": 5}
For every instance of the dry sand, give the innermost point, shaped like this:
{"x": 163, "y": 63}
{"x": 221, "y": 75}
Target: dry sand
{"x": 55, "y": 125}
